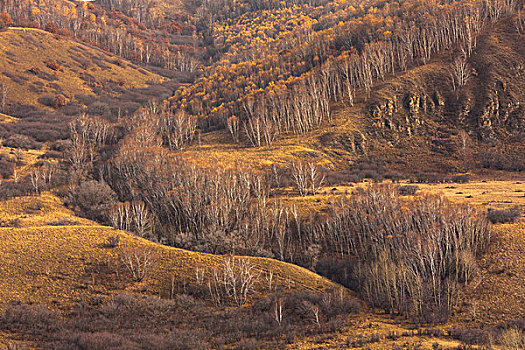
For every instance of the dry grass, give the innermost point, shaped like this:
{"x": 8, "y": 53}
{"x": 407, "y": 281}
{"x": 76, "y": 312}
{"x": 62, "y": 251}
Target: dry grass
{"x": 497, "y": 194}
{"x": 317, "y": 146}
{"x": 4, "y": 118}
{"x": 485, "y": 194}
{"x": 366, "y": 325}
{"x": 61, "y": 265}
{"x": 28, "y": 157}
{"x": 500, "y": 292}
{"x": 22, "y": 49}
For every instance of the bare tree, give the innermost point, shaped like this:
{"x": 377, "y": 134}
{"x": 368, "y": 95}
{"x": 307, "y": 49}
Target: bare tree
{"x": 36, "y": 180}
{"x": 278, "y": 311}
{"x": 233, "y": 127}
{"x": 315, "y": 177}
{"x": 300, "y": 176}
{"x": 314, "y": 310}
{"x": 460, "y": 72}
{"x": 89, "y": 135}
{"x": 4, "y": 91}
{"x": 520, "y": 23}
{"x": 138, "y": 261}
{"x": 253, "y": 130}
{"x": 233, "y": 280}
{"x": 142, "y": 219}
{"x": 180, "y": 129}
{"x": 308, "y": 177}
{"x": 261, "y": 131}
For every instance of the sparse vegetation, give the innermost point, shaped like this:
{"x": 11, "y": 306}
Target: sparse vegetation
{"x": 139, "y": 262}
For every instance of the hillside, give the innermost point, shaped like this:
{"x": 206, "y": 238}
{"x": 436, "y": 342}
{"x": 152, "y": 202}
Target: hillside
{"x": 413, "y": 120}
{"x": 48, "y": 256}
{"x": 44, "y": 261}
{"x": 240, "y": 174}
{"x": 38, "y": 65}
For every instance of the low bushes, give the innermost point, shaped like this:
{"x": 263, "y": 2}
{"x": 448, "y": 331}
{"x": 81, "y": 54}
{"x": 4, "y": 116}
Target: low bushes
{"x": 407, "y": 190}
{"x": 21, "y": 141}
{"x": 503, "y": 216}
{"x": 93, "y": 199}
{"x": 129, "y": 321}
{"x": 7, "y": 166}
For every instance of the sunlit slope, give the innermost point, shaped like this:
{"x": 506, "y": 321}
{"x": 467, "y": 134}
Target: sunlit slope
{"x": 62, "y": 265}
{"x": 27, "y": 66}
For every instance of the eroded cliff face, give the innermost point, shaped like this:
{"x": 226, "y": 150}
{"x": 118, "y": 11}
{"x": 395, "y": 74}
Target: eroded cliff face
{"x": 422, "y": 102}
{"x": 404, "y": 114}
{"x": 501, "y": 113}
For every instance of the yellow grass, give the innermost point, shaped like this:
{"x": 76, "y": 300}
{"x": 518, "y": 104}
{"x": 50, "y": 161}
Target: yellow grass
{"x": 62, "y": 265}
{"x": 217, "y": 147}
{"x": 22, "y": 49}
{"x": 497, "y": 194}
{"x": 488, "y": 194}
{"x": 366, "y": 325}
{"x": 29, "y": 158}
{"x": 4, "y": 118}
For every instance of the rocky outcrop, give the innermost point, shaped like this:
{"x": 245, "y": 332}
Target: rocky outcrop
{"x": 403, "y": 115}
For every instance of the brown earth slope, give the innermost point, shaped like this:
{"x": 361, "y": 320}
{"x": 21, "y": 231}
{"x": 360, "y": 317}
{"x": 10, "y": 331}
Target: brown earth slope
{"x": 35, "y": 63}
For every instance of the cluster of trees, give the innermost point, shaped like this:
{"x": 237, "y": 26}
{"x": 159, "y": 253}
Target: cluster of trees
{"x": 406, "y": 257}
{"x": 318, "y": 56}
{"x": 139, "y": 31}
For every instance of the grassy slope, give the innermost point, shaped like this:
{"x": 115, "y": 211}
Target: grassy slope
{"x": 25, "y": 49}
{"x": 500, "y": 292}
{"x": 61, "y": 265}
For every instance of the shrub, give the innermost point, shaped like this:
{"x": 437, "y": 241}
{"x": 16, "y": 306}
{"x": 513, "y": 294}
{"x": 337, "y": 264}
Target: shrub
{"x": 46, "y": 100}
{"x": 11, "y": 189}
{"x": 59, "y": 101}
{"x": 471, "y": 336}
{"x": 53, "y": 65}
{"x": 28, "y": 319}
{"x": 7, "y": 167}
{"x": 51, "y": 27}
{"x": 63, "y": 221}
{"x": 513, "y": 339}
{"x": 5, "y": 20}
{"x": 463, "y": 179}
{"x": 94, "y": 199}
{"x": 61, "y": 145}
{"x": 407, "y": 190}
{"x": 503, "y": 216}
{"x": 338, "y": 270}
{"x": 21, "y": 141}
{"x": 113, "y": 241}
{"x": 496, "y": 159}
{"x": 430, "y": 178}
